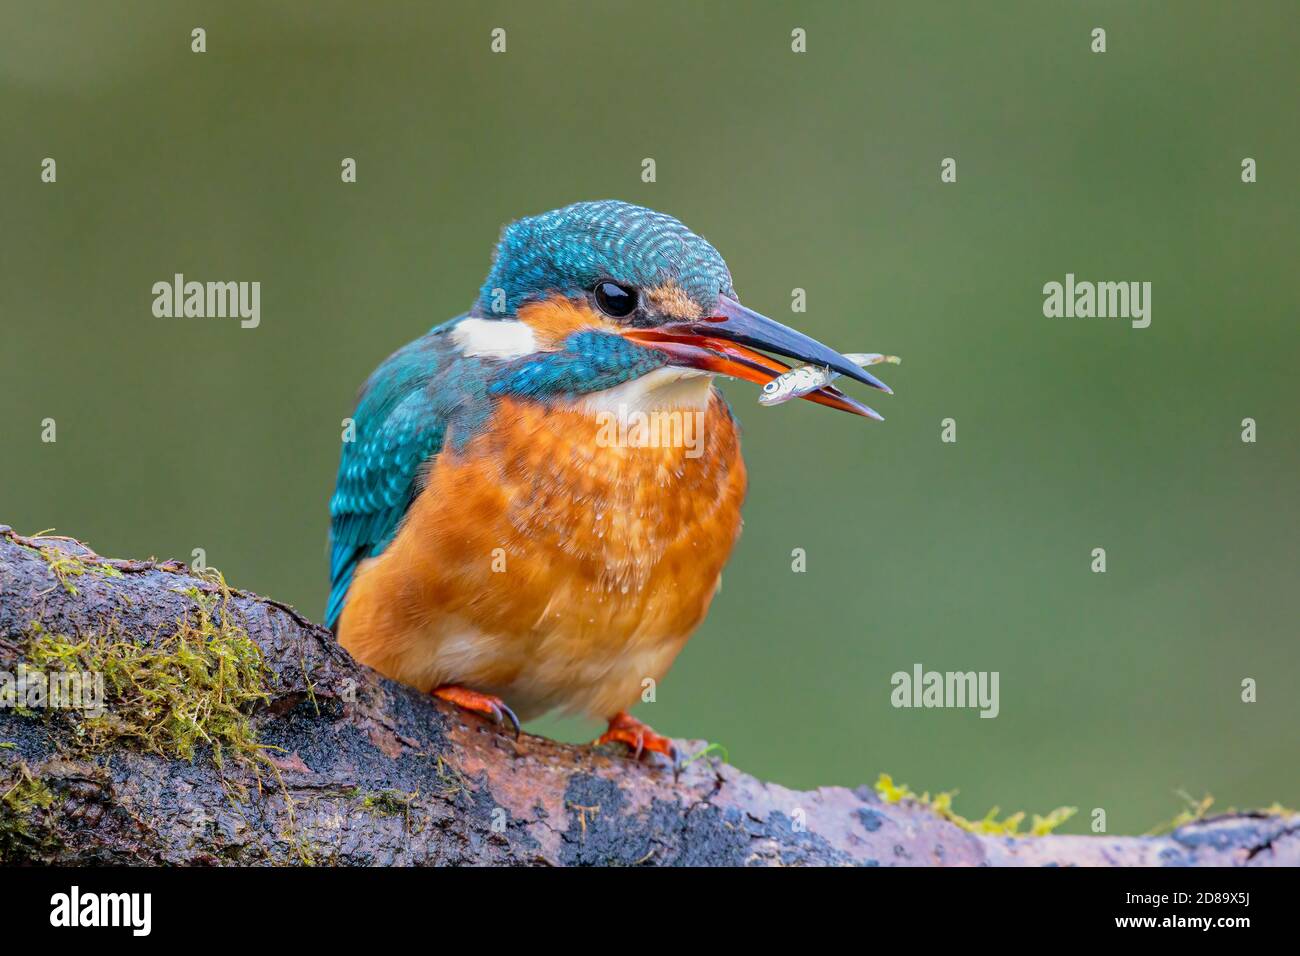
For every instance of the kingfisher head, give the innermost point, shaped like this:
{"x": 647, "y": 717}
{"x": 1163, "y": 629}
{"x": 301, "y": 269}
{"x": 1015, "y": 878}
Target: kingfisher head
{"x": 599, "y": 294}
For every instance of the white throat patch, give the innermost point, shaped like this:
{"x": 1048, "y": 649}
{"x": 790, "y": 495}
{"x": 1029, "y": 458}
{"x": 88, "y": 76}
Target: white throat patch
{"x": 661, "y": 390}
{"x": 494, "y": 338}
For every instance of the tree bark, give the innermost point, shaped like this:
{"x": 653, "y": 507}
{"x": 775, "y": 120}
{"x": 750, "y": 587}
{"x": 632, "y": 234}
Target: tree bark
{"x": 363, "y": 771}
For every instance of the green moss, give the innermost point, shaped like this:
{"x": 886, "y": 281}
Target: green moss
{"x": 388, "y": 802}
{"x": 941, "y": 804}
{"x": 704, "y": 752}
{"x": 196, "y": 686}
{"x": 454, "y": 783}
{"x": 306, "y": 679}
{"x": 25, "y": 807}
{"x": 65, "y": 565}
{"x": 1194, "y": 810}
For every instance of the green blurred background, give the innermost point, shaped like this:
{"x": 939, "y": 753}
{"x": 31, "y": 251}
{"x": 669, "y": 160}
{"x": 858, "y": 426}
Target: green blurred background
{"x": 818, "y": 171}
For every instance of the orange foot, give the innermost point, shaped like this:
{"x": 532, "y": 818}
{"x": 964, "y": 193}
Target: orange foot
{"x": 628, "y": 730}
{"x": 485, "y": 704}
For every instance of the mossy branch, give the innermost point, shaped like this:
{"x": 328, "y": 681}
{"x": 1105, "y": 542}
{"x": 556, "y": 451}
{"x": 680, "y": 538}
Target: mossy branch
{"x": 232, "y": 730}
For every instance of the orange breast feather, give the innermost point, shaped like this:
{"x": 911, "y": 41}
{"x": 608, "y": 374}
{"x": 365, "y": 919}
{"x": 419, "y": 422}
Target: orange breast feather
{"x": 549, "y": 568}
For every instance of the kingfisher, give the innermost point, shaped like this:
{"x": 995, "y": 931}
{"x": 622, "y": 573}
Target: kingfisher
{"x": 493, "y": 540}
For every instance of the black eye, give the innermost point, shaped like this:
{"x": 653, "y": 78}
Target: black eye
{"x": 616, "y": 301}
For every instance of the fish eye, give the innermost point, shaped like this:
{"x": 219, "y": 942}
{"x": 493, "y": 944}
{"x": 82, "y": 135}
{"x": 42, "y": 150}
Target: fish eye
{"x": 770, "y": 386}
{"x": 616, "y": 300}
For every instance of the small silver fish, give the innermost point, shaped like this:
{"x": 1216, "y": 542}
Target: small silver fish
{"x": 802, "y": 379}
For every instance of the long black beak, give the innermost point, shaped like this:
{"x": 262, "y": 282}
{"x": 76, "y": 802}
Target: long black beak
{"x": 747, "y": 327}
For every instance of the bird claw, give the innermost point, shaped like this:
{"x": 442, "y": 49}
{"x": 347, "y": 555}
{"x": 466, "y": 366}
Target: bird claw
{"x": 485, "y": 704}
{"x": 626, "y": 729}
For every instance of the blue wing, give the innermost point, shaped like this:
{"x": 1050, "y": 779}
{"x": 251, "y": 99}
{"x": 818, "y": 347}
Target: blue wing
{"x": 400, "y": 424}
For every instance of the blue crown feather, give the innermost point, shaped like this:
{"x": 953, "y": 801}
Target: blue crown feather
{"x": 568, "y": 250}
